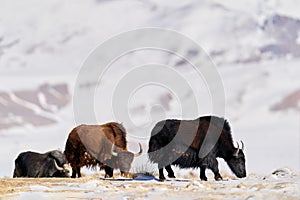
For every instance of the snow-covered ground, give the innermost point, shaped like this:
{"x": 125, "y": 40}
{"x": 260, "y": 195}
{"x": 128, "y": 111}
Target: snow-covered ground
{"x": 282, "y": 184}
{"x": 255, "y": 45}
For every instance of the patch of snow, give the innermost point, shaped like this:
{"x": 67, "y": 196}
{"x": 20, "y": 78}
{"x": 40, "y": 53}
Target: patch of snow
{"x": 38, "y": 188}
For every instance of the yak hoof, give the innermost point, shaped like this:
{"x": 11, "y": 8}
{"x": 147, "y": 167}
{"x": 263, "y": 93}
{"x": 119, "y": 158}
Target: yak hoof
{"x": 204, "y": 178}
{"x": 125, "y": 175}
{"x": 171, "y": 176}
{"x": 107, "y": 176}
{"x": 219, "y": 179}
{"x": 162, "y": 179}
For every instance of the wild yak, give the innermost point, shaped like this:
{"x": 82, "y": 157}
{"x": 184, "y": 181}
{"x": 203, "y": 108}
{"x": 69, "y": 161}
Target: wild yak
{"x": 50, "y": 164}
{"x": 181, "y": 143}
{"x": 103, "y": 145}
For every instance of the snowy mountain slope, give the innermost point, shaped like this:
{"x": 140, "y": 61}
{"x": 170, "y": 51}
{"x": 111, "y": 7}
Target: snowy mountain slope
{"x": 32, "y": 107}
{"x": 229, "y": 32}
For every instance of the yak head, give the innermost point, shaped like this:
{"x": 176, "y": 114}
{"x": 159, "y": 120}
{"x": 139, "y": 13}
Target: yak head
{"x": 61, "y": 167}
{"x": 122, "y": 159}
{"x": 236, "y": 161}
{"x": 65, "y": 171}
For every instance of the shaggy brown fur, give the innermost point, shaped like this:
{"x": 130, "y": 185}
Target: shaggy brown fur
{"x": 91, "y": 145}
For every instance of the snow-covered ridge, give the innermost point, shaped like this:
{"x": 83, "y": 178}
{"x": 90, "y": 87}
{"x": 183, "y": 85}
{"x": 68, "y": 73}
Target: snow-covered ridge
{"x": 43, "y": 36}
{"x": 35, "y": 107}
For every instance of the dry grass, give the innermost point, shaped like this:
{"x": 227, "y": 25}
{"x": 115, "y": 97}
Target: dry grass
{"x": 147, "y": 169}
{"x": 253, "y": 187}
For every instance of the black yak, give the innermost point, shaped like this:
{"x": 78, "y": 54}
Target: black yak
{"x": 181, "y": 143}
{"x": 50, "y": 164}
{"x": 99, "y": 145}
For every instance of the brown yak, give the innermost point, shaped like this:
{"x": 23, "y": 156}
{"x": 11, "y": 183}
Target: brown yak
{"x": 103, "y": 145}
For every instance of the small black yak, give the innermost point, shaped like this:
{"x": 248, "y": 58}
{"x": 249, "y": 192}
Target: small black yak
{"x": 50, "y": 164}
{"x": 99, "y": 145}
{"x": 179, "y": 143}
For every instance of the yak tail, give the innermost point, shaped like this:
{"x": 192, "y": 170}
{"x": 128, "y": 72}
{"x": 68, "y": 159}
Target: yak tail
{"x": 119, "y": 134}
{"x": 17, "y": 171}
{"x": 15, "y": 174}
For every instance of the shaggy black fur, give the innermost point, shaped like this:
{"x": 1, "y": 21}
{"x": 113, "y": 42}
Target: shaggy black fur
{"x": 178, "y": 142}
{"x": 32, "y": 164}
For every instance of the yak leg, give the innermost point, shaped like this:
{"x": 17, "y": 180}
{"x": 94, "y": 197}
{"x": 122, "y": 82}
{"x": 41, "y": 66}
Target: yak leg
{"x": 78, "y": 172}
{"x": 213, "y": 165}
{"x": 74, "y": 171}
{"x": 75, "y": 168}
{"x": 202, "y": 174}
{"x": 170, "y": 171}
{"x": 108, "y": 172}
{"x": 161, "y": 174}
{"x": 125, "y": 174}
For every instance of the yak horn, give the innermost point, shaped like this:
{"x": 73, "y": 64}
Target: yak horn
{"x": 242, "y": 145}
{"x": 112, "y": 150}
{"x": 58, "y": 167}
{"x": 140, "y": 152}
{"x": 237, "y": 151}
